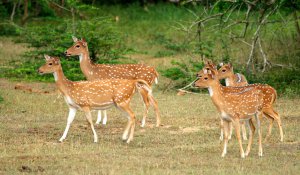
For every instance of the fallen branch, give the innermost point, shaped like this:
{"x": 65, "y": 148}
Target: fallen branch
{"x": 182, "y": 91}
{"x": 26, "y": 88}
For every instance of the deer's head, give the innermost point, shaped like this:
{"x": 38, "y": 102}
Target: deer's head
{"x": 225, "y": 71}
{"x": 206, "y": 80}
{"x": 78, "y": 47}
{"x": 52, "y": 65}
{"x": 209, "y": 66}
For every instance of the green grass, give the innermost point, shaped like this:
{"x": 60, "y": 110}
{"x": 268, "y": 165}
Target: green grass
{"x": 187, "y": 143}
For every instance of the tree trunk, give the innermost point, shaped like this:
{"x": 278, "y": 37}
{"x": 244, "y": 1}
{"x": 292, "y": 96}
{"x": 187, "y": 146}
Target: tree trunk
{"x": 13, "y": 12}
{"x": 296, "y": 23}
{"x": 25, "y": 15}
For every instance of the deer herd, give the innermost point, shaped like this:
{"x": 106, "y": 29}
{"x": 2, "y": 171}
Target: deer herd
{"x": 238, "y": 103}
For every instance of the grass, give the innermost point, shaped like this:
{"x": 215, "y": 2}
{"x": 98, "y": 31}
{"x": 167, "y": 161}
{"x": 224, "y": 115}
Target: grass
{"x": 187, "y": 143}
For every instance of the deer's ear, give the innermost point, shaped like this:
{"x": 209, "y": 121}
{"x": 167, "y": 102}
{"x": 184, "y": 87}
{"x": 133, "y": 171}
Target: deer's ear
{"x": 215, "y": 66}
{"x": 204, "y": 71}
{"x": 47, "y": 57}
{"x": 221, "y": 64}
{"x": 83, "y": 42}
{"x": 57, "y": 61}
{"x": 230, "y": 65}
{"x": 74, "y": 39}
{"x": 205, "y": 61}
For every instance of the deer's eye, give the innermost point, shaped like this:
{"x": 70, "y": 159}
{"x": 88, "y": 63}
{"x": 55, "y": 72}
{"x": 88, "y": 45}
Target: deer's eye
{"x": 207, "y": 69}
{"x": 77, "y": 46}
{"x": 205, "y": 78}
{"x": 50, "y": 64}
{"x": 224, "y": 70}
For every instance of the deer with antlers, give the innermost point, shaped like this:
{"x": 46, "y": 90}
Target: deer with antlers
{"x": 269, "y": 95}
{"x": 234, "y": 107}
{"x": 96, "y": 95}
{"x": 121, "y": 71}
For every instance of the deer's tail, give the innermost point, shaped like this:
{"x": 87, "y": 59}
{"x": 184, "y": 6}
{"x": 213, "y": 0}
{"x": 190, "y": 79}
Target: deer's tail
{"x": 156, "y": 77}
{"x": 274, "y": 96}
{"x": 143, "y": 88}
{"x": 142, "y": 84}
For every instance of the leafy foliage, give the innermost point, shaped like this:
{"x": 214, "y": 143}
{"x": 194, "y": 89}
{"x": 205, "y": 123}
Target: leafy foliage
{"x": 28, "y": 71}
{"x": 54, "y": 39}
{"x": 182, "y": 72}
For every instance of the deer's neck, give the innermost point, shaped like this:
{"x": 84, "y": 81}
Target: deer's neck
{"x": 86, "y": 64}
{"x": 217, "y": 96}
{"x": 230, "y": 80}
{"x": 62, "y": 83}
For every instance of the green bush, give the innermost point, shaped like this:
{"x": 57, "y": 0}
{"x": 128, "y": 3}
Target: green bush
{"x": 8, "y": 29}
{"x": 182, "y": 72}
{"x": 53, "y": 39}
{"x": 3, "y": 12}
{"x": 285, "y": 81}
{"x": 28, "y": 71}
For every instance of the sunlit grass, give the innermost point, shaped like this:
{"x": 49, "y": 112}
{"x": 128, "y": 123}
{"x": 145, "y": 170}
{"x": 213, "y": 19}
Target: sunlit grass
{"x": 187, "y": 143}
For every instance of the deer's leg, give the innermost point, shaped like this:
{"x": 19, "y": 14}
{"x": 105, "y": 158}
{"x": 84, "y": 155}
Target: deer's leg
{"x": 236, "y": 123}
{"x": 280, "y": 128}
{"x": 131, "y": 122}
{"x": 251, "y": 133}
{"x": 72, "y": 113}
{"x": 222, "y": 129}
{"x": 271, "y": 118}
{"x": 144, "y": 95}
{"x": 226, "y": 131}
{"x": 155, "y": 105}
{"x": 230, "y": 130}
{"x": 104, "y": 118}
{"x": 260, "y": 152}
{"x": 244, "y": 132}
{"x": 271, "y": 113}
{"x": 99, "y": 117}
{"x": 88, "y": 116}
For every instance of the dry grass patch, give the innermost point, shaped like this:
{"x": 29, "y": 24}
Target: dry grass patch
{"x": 187, "y": 143}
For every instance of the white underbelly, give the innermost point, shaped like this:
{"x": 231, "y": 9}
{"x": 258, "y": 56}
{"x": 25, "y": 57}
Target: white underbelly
{"x": 102, "y": 106}
{"x": 226, "y": 116}
{"x": 93, "y": 105}
{"x": 70, "y": 102}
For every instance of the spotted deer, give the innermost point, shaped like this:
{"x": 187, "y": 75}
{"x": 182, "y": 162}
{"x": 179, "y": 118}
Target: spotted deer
{"x": 210, "y": 66}
{"x": 94, "y": 71}
{"x": 234, "y": 107}
{"x": 96, "y": 95}
{"x": 231, "y": 79}
{"x": 269, "y": 95}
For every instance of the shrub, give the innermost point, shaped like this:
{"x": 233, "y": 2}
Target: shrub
{"x": 53, "y": 39}
{"x": 9, "y": 29}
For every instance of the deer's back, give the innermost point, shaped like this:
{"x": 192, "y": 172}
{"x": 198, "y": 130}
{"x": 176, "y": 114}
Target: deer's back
{"x": 101, "y": 92}
{"x": 245, "y": 103}
{"x": 124, "y": 71}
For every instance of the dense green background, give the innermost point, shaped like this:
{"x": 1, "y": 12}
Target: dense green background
{"x": 158, "y": 29}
